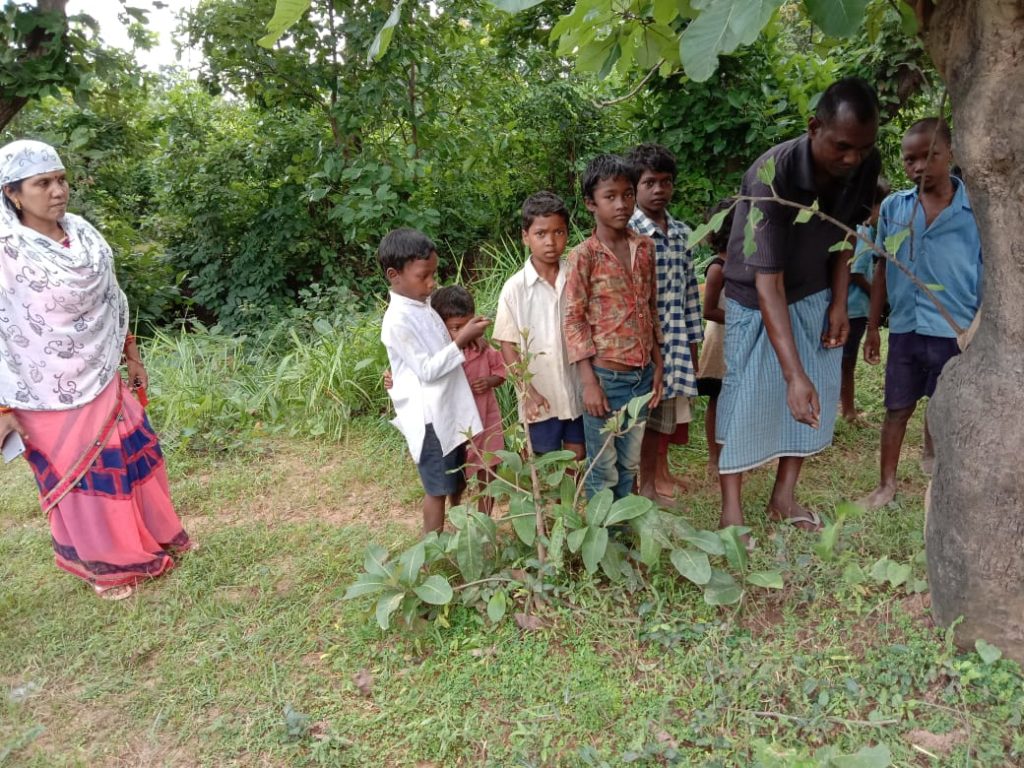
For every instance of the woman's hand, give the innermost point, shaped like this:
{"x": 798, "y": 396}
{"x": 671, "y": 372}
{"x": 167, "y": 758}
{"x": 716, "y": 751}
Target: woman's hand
{"x": 9, "y": 423}
{"x": 137, "y": 376}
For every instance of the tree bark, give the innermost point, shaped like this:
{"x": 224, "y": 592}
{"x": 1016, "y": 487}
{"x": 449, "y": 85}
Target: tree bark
{"x": 975, "y": 528}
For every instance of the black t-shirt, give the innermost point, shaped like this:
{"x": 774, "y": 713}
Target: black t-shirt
{"x": 800, "y": 251}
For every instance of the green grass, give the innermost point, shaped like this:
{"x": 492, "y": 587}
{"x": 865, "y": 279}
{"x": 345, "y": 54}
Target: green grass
{"x": 246, "y": 655}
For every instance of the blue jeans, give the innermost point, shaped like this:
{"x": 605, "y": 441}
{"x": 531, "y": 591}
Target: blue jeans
{"x": 616, "y": 466}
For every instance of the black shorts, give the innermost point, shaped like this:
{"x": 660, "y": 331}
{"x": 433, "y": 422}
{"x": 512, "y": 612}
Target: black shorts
{"x": 913, "y": 366}
{"x": 441, "y": 475}
{"x": 709, "y": 387}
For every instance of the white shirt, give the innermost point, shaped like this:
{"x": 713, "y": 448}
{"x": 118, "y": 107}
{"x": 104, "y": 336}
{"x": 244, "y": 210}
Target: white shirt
{"x": 530, "y": 303}
{"x": 430, "y": 386}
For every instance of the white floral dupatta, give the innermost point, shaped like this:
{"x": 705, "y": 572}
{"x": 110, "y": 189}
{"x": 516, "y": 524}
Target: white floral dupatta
{"x": 63, "y": 317}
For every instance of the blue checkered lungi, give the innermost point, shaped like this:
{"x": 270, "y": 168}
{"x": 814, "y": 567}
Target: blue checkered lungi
{"x": 754, "y": 423}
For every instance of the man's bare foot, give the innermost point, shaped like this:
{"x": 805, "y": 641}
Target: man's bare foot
{"x": 879, "y": 497}
{"x": 856, "y": 418}
{"x": 796, "y": 515}
{"x": 669, "y": 489}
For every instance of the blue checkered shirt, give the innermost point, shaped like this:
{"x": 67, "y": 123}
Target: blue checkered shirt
{"x": 678, "y": 302}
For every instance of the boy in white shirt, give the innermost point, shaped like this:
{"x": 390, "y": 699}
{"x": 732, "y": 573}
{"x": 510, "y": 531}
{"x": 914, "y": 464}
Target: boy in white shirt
{"x": 533, "y": 301}
{"x": 434, "y": 405}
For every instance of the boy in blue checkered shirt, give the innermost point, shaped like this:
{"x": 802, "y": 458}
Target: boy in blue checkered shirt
{"x": 678, "y": 311}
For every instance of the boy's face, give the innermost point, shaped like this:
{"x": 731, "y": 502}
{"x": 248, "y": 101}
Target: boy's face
{"x": 613, "y": 202}
{"x": 546, "y": 238}
{"x": 416, "y": 279}
{"x": 921, "y": 169}
{"x": 654, "y": 192}
{"x": 455, "y": 324}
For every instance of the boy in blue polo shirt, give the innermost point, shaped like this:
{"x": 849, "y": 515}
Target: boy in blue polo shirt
{"x": 944, "y": 249}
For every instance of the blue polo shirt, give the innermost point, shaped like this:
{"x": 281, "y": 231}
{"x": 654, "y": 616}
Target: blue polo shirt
{"x": 947, "y": 253}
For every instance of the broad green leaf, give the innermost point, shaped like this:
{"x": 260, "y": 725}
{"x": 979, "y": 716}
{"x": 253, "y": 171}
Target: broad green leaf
{"x": 627, "y": 508}
{"x": 556, "y": 541}
{"x": 366, "y": 584}
{"x": 567, "y": 491}
{"x": 880, "y": 570}
{"x": 613, "y": 561}
{"x": 598, "y": 506}
{"x": 575, "y": 539}
{"x": 524, "y": 520}
{"x": 897, "y": 573}
{"x": 435, "y": 590}
{"x": 375, "y": 561}
{"x": 766, "y": 579}
{"x": 866, "y": 757}
{"x": 593, "y": 56}
{"x": 552, "y": 457}
{"x": 766, "y": 172}
{"x": 825, "y": 546}
{"x": 650, "y": 546}
{"x": 634, "y": 406}
{"x": 721, "y": 26}
{"x": 692, "y": 564}
{"x": 842, "y": 245}
{"x": 514, "y": 6}
{"x": 510, "y": 460}
{"x": 286, "y": 13}
{"x": 988, "y": 652}
{"x": 749, "y": 228}
{"x": 839, "y": 18}
{"x": 935, "y": 287}
{"x": 380, "y": 43}
{"x": 735, "y": 550}
{"x": 485, "y": 523}
{"x": 497, "y": 606}
{"x": 908, "y": 19}
{"x": 706, "y": 540}
{"x": 804, "y": 215}
{"x": 665, "y": 11}
{"x": 713, "y": 225}
{"x": 458, "y": 516}
{"x": 722, "y": 589}
{"x": 387, "y": 605}
{"x": 594, "y": 545}
{"x": 895, "y": 240}
{"x": 410, "y": 562}
{"x": 470, "y": 554}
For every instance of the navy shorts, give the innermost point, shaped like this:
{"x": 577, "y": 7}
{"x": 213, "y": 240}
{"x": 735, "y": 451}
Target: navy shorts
{"x": 440, "y": 474}
{"x": 551, "y": 434}
{"x": 913, "y": 366}
{"x": 857, "y": 327}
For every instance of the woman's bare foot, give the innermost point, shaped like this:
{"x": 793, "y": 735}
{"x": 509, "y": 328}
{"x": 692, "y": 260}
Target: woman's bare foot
{"x": 796, "y": 515}
{"x": 879, "y": 497}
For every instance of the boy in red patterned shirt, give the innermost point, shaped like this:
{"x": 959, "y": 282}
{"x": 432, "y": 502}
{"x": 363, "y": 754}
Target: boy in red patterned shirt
{"x": 611, "y": 328}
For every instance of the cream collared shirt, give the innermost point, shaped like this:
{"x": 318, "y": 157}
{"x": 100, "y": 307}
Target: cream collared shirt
{"x": 430, "y": 386}
{"x": 531, "y": 304}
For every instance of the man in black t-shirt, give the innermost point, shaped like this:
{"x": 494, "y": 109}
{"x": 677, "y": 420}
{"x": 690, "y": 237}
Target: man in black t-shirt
{"x": 785, "y": 313}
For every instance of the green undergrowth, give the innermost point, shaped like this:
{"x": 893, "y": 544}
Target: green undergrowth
{"x": 247, "y": 655}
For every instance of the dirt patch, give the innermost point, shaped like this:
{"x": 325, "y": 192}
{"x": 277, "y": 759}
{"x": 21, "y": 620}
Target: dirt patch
{"x": 296, "y": 484}
{"x": 936, "y": 744}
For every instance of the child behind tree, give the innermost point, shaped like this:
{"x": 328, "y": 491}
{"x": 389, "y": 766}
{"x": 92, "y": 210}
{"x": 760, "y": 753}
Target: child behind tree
{"x": 485, "y": 370}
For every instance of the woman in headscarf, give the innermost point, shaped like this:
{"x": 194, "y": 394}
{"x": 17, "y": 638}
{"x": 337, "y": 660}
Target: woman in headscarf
{"x": 63, "y": 335}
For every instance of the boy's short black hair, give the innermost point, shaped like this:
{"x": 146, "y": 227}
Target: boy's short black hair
{"x": 719, "y": 241}
{"x": 400, "y": 246}
{"x": 452, "y": 301}
{"x": 543, "y": 204}
{"x": 931, "y": 125}
{"x": 605, "y": 167}
{"x": 855, "y": 93}
{"x": 653, "y": 157}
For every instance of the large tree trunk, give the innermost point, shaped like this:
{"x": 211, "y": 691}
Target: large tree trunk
{"x": 975, "y": 531}
{"x": 36, "y": 45}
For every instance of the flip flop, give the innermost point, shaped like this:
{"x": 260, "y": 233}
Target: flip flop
{"x": 119, "y": 592}
{"x": 811, "y": 518}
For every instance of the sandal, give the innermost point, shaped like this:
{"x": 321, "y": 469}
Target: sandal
{"x": 119, "y": 592}
{"x": 805, "y": 517}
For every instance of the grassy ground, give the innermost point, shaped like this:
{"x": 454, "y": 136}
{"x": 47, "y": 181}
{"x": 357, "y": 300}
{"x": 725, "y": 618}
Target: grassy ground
{"x": 247, "y": 656}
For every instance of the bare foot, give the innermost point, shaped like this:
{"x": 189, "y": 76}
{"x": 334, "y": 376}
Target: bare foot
{"x": 879, "y": 497}
{"x": 796, "y": 515}
{"x": 668, "y": 489}
{"x": 857, "y": 419}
